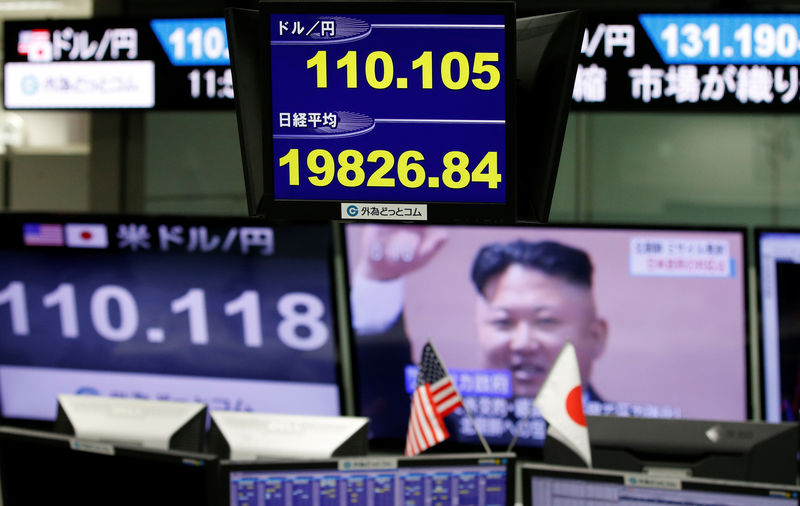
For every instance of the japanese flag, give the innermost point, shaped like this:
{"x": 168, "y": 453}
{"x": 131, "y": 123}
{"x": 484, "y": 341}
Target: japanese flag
{"x": 86, "y": 235}
{"x": 560, "y": 401}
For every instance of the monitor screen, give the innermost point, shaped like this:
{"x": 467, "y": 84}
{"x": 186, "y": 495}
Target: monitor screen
{"x": 38, "y": 467}
{"x": 551, "y": 485}
{"x": 233, "y": 313}
{"x": 117, "y": 63}
{"x": 657, "y": 317}
{"x": 485, "y": 480}
{"x": 779, "y": 272}
{"x": 396, "y": 106}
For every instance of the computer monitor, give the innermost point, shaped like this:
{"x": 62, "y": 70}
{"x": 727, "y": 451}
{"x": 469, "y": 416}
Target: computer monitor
{"x": 544, "y": 485}
{"x": 778, "y": 252}
{"x": 236, "y": 435}
{"x": 480, "y": 479}
{"x": 657, "y": 315}
{"x": 38, "y": 467}
{"x": 748, "y": 451}
{"x": 233, "y": 313}
{"x": 163, "y": 425}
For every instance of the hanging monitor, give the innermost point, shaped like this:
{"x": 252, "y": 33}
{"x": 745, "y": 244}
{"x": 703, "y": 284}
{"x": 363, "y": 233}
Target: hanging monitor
{"x": 375, "y": 109}
{"x": 401, "y": 111}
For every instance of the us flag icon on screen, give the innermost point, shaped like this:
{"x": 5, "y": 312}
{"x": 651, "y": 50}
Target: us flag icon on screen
{"x": 42, "y": 234}
{"x": 86, "y": 235}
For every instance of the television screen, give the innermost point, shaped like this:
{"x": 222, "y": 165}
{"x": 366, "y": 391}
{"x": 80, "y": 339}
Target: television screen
{"x": 38, "y": 467}
{"x": 485, "y": 480}
{"x": 657, "y": 317}
{"x": 544, "y": 485}
{"x": 779, "y": 272}
{"x": 234, "y": 313}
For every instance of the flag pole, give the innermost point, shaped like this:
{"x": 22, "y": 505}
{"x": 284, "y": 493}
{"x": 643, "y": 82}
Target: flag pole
{"x": 519, "y": 428}
{"x": 466, "y": 410}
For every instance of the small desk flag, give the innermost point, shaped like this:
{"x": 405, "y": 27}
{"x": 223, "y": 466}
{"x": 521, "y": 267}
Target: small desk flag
{"x": 560, "y": 401}
{"x": 434, "y": 398}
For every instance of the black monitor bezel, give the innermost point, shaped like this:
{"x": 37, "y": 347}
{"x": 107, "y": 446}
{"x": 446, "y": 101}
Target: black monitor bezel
{"x": 18, "y": 218}
{"x": 536, "y": 452}
{"x": 179, "y": 457}
{"x": 530, "y": 470}
{"x": 437, "y": 211}
{"x": 390, "y": 461}
{"x": 758, "y": 233}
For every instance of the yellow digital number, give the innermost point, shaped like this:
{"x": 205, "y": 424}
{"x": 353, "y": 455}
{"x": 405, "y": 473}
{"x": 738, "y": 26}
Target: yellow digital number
{"x": 486, "y": 171}
{"x": 479, "y": 66}
{"x": 320, "y": 61}
{"x": 293, "y": 160}
{"x": 454, "y": 68}
{"x": 349, "y": 61}
{"x": 377, "y": 179}
{"x": 407, "y": 164}
{"x": 455, "y": 162}
{"x": 326, "y": 170}
{"x": 462, "y": 73}
{"x": 388, "y": 70}
{"x": 425, "y": 61}
{"x": 350, "y": 162}
{"x": 350, "y": 172}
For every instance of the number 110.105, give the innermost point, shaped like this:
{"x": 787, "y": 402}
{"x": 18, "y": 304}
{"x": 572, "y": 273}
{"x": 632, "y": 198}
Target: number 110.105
{"x": 455, "y": 69}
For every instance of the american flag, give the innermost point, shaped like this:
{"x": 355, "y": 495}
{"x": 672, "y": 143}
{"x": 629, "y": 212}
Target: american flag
{"x": 42, "y": 234}
{"x": 434, "y": 398}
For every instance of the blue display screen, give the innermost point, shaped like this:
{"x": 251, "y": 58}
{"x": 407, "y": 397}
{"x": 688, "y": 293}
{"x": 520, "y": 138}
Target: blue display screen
{"x": 389, "y": 107}
{"x": 465, "y": 483}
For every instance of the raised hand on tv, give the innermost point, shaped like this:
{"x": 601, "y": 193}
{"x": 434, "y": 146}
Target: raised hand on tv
{"x": 391, "y": 251}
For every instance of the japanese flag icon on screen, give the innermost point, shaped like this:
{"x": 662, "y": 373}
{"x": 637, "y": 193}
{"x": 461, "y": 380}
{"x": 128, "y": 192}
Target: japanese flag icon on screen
{"x": 86, "y": 235}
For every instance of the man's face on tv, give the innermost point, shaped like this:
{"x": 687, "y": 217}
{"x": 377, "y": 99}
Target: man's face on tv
{"x": 525, "y": 319}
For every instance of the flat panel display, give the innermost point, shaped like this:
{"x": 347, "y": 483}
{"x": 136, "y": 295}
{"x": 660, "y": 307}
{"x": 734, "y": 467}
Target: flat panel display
{"x": 447, "y": 479}
{"x": 689, "y": 61}
{"x": 548, "y": 485}
{"x": 779, "y": 272}
{"x": 385, "y": 105}
{"x": 234, "y": 313}
{"x": 117, "y": 64}
{"x": 657, "y": 316}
